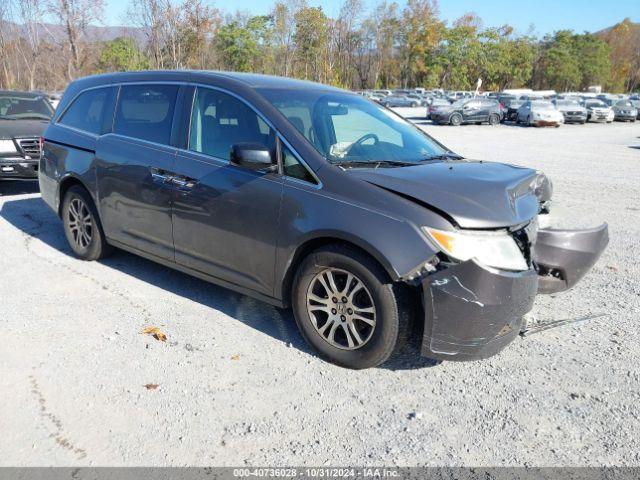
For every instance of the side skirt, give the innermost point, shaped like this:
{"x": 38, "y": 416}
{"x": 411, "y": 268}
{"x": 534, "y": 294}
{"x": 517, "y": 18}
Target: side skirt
{"x": 202, "y": 276}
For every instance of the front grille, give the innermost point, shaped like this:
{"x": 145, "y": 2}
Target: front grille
{"x": 30, "y": 146}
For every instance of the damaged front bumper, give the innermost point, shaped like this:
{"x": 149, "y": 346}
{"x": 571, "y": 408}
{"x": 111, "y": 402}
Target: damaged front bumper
{"x": 472, "y": 311}
{"x": 563, "y": 257}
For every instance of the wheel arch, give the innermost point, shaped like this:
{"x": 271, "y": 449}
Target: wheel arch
{"x": 321, "y": 240}
{"x": 65, "y": 184}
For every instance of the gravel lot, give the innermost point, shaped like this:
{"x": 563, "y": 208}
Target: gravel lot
{"x": 237, "y": 385}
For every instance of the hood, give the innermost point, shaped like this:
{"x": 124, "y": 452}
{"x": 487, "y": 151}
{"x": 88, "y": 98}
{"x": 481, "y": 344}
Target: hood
{"x": 474, "y": 194}
{"x": 22, "y": 128}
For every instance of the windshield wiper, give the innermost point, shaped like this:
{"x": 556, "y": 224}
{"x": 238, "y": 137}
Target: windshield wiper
{"x": 443, "y": 156}
{"x": 374, "y": 164}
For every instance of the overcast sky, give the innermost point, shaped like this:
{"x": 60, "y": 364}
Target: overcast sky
{"x": 545, "y": 15}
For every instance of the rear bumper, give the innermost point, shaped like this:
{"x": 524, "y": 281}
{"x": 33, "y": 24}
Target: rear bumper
{"x": 18, "y": 168}
{"x": 473, "y": 312}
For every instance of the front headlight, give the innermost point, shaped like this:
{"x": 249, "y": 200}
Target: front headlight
{"x": 7, "y": 146}
{"x": 491, "y": 248}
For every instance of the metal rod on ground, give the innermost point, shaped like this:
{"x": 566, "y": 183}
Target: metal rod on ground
{"x": 558, "y": 323}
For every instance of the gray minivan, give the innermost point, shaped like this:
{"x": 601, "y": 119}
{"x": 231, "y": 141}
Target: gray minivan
{"x": 310, "y": 197}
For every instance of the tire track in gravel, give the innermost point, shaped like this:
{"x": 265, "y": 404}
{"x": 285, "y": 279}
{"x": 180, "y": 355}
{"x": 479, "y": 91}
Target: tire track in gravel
{"x": 38, "y": 230}
{"x": 54, "y": 421}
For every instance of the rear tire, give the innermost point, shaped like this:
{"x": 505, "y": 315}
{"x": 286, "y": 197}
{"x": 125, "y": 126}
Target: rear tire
{"x": 455, "y": 120}
{"x": 494, "y": 119}
{"x": 377, "y": 310}
{"x": 82, "y": 225}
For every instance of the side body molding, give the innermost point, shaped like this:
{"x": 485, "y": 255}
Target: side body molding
{"x": 563, "y": 257}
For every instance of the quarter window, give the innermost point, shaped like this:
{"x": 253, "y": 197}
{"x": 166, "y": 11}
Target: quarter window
{"x": 92, "y": 111}
{"x": 293, "y": 168}
{"x": 219, "y": 120}
{"x": 146, "y": 112}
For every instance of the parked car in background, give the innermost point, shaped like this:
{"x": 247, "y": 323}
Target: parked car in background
{"x": 511, "y": 105}
{"x": 399, "y": 101}
{"x": 539, "y": 113}
{"x": 636, "y": 104}
{"x": 435, "y": 103}
{"x": 624, "y": 111}
{"x": 308, "y": 196}
{"x": 598, "y": 111}
{"x": 571, "y": 110}
{"x": 382, "y": 93}
{"x": 471, "y": 110}
{"x": 421, "y": 99}
{"x": 23, "y": 118}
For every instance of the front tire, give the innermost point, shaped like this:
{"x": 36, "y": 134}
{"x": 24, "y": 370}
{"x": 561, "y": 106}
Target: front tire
{"x": 347, "y": 309}
{"x": 82, "y": 225}
{"x": 494, "y": 119}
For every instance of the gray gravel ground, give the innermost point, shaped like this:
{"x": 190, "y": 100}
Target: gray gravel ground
{"x": 237, "y": 385}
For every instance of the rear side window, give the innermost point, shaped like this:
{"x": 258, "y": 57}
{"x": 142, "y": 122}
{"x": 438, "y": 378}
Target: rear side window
{"x": 92, "y": 111}
{"x": 146, "y": 112}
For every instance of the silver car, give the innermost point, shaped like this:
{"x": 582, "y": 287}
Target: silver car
{"x": 572, "y": 111}
{"x": 539, "y": 113}
{"x": 624, "y": 111}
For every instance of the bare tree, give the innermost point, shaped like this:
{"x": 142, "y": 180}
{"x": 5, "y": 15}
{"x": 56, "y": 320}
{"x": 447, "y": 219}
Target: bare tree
{"x": 148, "y": 15}
{"x": 6, "y": 80}
{"x": 30, "y": 14}
{"x": 75, "y": 16}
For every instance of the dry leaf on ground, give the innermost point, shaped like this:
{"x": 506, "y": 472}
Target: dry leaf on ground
{"x": 156, "y": 333}
{"x": 235, "y": 357}
{"x": 151, "y": 386}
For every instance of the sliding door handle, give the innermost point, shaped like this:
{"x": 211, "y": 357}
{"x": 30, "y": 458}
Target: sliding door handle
{"x": 159, "y": 175}
{"x": 183, "y": 183}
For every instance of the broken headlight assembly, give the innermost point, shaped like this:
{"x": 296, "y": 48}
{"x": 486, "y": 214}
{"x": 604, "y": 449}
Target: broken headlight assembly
{"x": 496, "y": 249}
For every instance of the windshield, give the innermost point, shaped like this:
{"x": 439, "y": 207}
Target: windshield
{"x": 596, "y": 103}
{"x": 347, "y": 128}
{"x": 624, "y": 103}
{"x": 22, "y": 107}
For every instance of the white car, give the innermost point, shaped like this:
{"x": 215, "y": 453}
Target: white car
{"x": 539, "y": 113}
{"x": 598, "y": 111}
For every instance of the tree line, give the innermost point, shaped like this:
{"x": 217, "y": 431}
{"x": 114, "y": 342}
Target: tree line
{"x": 46, "y": 43}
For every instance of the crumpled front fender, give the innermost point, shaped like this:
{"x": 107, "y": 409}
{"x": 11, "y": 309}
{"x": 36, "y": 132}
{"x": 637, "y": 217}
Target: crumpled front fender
{"x": 563, "y": 257}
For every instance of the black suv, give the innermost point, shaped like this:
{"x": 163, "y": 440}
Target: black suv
{"x": 308, "y": 196}
{"x": 468, "y": 110}
{"x": 23, "y": 118}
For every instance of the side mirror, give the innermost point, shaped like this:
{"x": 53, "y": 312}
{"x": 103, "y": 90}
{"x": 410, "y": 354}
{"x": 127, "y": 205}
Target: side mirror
{"x": 252, "y": 156}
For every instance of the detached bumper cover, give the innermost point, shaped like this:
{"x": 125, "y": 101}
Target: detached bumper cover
{"x": 472, "y": 312}
{"x": 563, "y": 257}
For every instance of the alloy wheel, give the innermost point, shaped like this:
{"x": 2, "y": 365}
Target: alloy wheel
{"x": 341, "y": 309}
{"x": 80, "y": 223}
